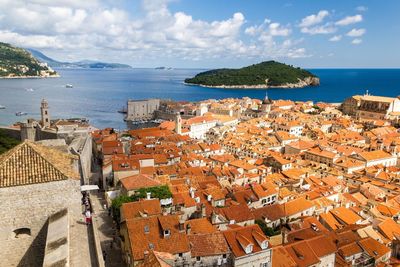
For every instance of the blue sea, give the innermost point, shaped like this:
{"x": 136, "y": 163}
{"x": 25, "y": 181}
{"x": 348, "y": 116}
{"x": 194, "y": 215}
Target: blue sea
{"x": 97, "y": 94}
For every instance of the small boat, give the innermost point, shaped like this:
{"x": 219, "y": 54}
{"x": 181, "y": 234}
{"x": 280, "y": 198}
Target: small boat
{"x": 29, "y": 90}
{"x": 2, "y": 107}
{"x": 69, "y": 86}
{"x": 20, "y": 113}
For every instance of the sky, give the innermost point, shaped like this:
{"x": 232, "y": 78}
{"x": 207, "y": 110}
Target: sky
{"x": 208, "y": 33}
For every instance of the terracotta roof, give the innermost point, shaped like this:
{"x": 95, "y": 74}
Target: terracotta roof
{"x": 271, "y": 212}
{"x": 350, "y": 249}
{"x": 138, "y": 181}
{"x": 209, "y": 244}
{"x": 147, "y": 233}
{"x": 31, "y": 163}
{"x": 387, "y": 211}
{"x": 141, "y": 208}
{"x": 243, "y": 234}
{"x": 374, "y": 155}
{"x": 200, "y": 226}
{"x": 345, "y": 215}
{"x": 389, "y": 228}
{"x": 373, "y": 247}
{"x": 322, "y": 245}
{"x": 282, "y": 258}
{"x": 239, "y": 213}
{"x": 297, "y": 205}
{"x": 330, "y": 220}
{"x": 302, "y": 254}
{"x": 158, "y": 259}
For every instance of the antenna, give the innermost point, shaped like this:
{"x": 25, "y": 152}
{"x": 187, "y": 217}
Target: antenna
{"x": 266, "y": 94}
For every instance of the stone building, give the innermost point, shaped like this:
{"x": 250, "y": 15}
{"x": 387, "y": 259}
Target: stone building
{"x": 371, "y": 107}
{"x": 142, "y": 109}
{"x": 37, "y": 182}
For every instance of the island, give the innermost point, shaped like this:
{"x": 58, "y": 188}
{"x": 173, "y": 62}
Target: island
{"x": 268, "y": 74}
{"x": 83, "y": 64}
{"x": 17, "y": 62}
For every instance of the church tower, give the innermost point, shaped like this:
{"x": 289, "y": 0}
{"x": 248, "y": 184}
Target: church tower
{"x": 266, "y": 104}
{"x": 44, "y": 111}
{"x": 178, "y": 124}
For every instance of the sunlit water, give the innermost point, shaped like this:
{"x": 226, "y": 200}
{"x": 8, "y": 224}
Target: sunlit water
{"x": 97, "y": 94}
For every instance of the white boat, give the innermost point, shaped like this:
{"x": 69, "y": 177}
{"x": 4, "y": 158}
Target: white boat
{"x": 20, "y": 113}
{"x": 29, "y": 90}
{"x": 69, "y": 85}
{"x": 2, "y": 107}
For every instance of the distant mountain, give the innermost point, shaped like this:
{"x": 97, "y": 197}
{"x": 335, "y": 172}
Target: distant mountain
{"x": 263, "y": 75}
{"x": 17, "y": 62}
{"x": 87, "y": 64}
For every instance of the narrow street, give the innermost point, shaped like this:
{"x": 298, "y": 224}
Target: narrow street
{"x": 106, "y": 228}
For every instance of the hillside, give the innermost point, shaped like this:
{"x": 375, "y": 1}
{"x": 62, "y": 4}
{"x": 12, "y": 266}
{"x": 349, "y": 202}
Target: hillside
{"x": 87, "y": 64}
{"x": 17, "y": 62}
{"x": 263, "y": 75}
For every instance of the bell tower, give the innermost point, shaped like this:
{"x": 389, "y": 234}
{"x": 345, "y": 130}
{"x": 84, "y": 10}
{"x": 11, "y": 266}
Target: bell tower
{"x": 44, "y": 112}
{"x": 266, "y": 104}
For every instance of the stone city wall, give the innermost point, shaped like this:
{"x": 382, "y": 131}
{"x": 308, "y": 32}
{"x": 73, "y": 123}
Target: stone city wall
{"x": 28, "y": 208}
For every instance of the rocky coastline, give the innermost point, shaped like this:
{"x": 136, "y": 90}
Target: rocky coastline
{"x": 309, "y": 81}
{"x": 30, "y": 77}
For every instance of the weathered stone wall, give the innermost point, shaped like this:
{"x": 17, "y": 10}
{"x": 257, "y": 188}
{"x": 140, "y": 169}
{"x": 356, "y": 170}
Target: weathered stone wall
{"x": 29, "y": 207}
{"x": 14, "y": 133}
{"x": 83, "y": 147}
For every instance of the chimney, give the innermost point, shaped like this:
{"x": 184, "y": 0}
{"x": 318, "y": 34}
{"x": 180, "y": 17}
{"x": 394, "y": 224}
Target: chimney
{"x": 148, "y": 195}
{"x": 203, "y": 211}
{"x": 146, "y": 254}
{"x": 181, "y": 225}
{"x": 191, "y": 190}
{"x": 188, "y": 229}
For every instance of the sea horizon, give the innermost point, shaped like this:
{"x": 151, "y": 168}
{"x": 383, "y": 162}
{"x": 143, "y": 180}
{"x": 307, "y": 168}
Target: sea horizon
{"x": 98, "y": 94}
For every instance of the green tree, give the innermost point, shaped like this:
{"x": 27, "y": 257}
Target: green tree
{"x": 7, "y": 142}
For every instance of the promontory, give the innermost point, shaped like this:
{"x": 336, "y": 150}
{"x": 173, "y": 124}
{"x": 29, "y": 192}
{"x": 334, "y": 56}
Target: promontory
{"x": 17, "y": 62}
{"x": 268, "y": 74}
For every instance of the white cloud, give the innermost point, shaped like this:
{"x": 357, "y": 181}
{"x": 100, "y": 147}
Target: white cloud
{"x": 335, "y": 38}
{"x": 314, "y": 19}
{"x": 77, "y": 29}
{"x": 362, "y": 8}
{"x": 356, "y": 32}
{"x": 321, "y": 29}
{"x": 356, "y": 41}
{"x": 349, "y": 20}
{"x": 277, "y": 30}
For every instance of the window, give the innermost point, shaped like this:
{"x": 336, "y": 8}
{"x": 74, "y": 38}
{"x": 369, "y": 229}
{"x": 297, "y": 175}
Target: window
{"x": 167, "y": 232}
{"x": 264, "y": 264}
{"x": 198, "y": 258}
{"x": 180, "y": 255}
{"x": 249, "y": 249}
{"x": 264, "y": 245}
{"x": 22, "y": 232}
{"x": 146, "y": 229}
